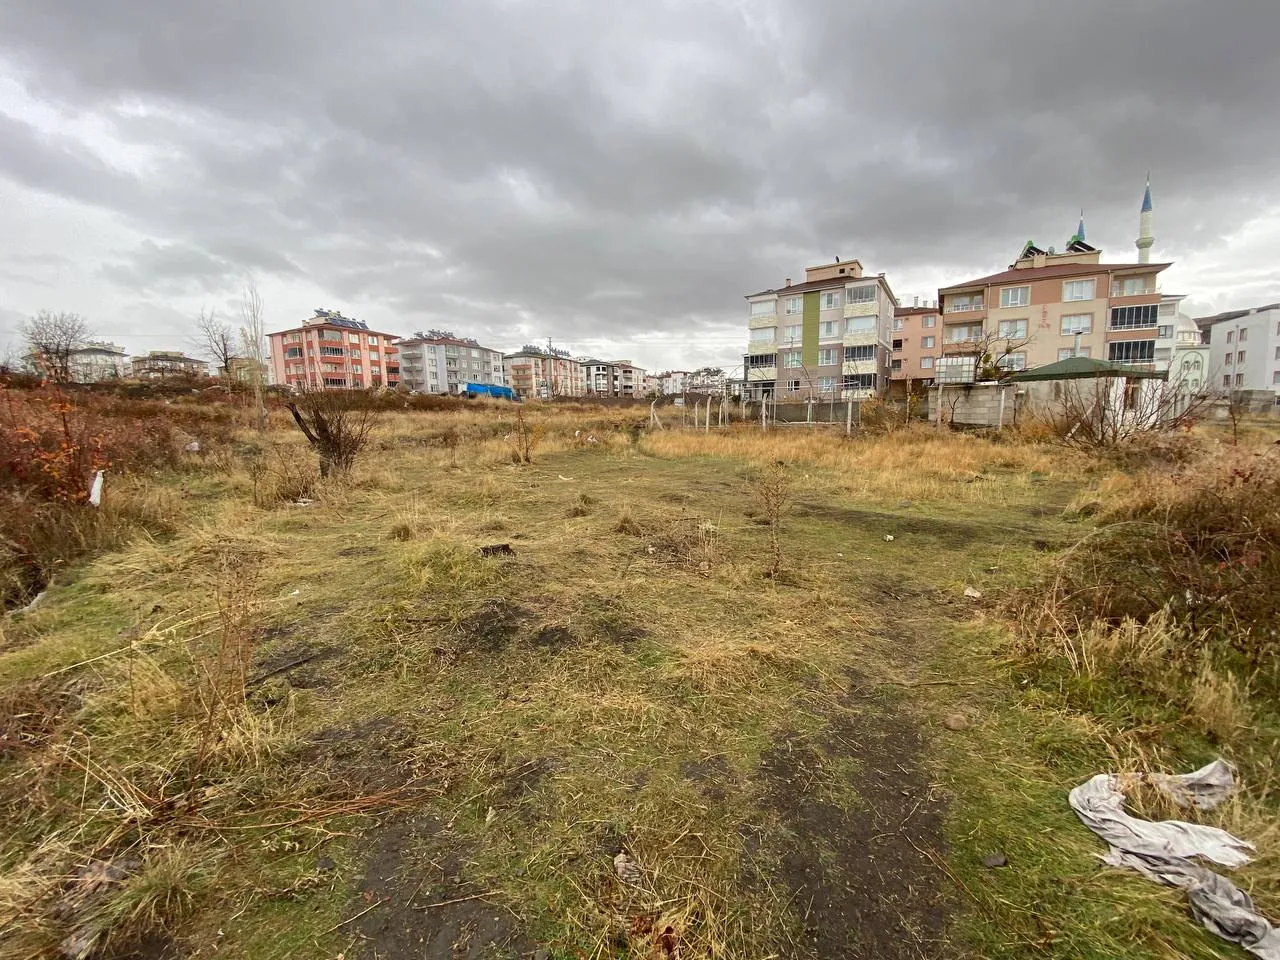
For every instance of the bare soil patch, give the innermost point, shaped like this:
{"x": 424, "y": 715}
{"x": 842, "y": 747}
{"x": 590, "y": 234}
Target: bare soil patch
{"x": 423, "y": 906}
{"x": 863, "y": 875}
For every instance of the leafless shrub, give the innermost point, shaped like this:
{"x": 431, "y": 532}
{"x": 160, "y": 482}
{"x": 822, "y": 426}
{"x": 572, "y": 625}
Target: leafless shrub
{"x": 524, "y": 438}
{"x": 772, "y": 488}
{"x": 336, "y": 428}
{"x": 1108, "y": 411}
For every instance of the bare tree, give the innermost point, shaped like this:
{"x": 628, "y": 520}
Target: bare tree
{"x": 335, "y": 426}
{"x": 252, "y": 336}
{"x": 218, "y": 340}
{"x": 52, "y": 339}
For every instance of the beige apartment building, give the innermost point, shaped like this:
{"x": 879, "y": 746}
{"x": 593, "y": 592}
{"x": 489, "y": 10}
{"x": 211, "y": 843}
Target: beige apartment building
{"x": 1048, "y": 306}
{"x": 828, "y": 337}
{"x": 534, "y": 373}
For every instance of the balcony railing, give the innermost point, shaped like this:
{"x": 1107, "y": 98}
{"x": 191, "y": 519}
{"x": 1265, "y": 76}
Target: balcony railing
{"x": 1118, "y": 290}
{"x": 965, "y": 307}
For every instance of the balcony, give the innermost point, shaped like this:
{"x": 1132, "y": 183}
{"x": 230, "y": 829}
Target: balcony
{"x": 1118, "y": 290}
{"x": 966, "y": 306}
{"x": 762, "y": 373}
{"x": 758, "y": 320}
{"x": 869, "y": 308}
{"x": 762, "y": 346}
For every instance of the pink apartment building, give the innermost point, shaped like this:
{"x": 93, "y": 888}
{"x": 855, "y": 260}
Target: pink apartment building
{"x": 334, "y": 352}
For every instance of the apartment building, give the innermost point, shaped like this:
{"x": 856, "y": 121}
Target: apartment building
{"x": 673, "y": 382}
{"x": 439, "y": 362}
{"x": 163, "y": 364}
{"x": 652, "y": 386}
{"x": 332, "y": 352}
{"x": 1048, "y": 306}
{"x": 828, "y": 337}
{"x": 1244, "y": 349}
{"x": 612, "y": 378}
{"x": 916, "y": 342}
{"x": 96, "y": 360}
{"x": 533, "y": 372}
{"x": 710, "y": 380}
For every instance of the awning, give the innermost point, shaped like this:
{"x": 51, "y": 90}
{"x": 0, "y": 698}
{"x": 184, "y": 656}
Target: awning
{"x": 1083, "y": 368}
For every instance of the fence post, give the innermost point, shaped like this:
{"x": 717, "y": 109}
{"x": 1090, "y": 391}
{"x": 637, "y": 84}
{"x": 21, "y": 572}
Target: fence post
{"x": 848, "y": 418}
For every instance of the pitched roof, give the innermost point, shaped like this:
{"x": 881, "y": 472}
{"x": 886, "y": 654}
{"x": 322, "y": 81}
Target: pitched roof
{"x": 911, "y": 311}
{"x": 1051, "y": 271}
{"x": 1234, "y": 314}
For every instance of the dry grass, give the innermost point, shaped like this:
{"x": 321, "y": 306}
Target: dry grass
{"x": 632, "y": 633}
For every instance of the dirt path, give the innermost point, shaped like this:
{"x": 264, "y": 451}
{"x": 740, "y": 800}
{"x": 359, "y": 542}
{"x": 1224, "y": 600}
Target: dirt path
{"x": 861, "y": 868}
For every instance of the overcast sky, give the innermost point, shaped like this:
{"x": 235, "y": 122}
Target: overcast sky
{"x": 614, "y": 176}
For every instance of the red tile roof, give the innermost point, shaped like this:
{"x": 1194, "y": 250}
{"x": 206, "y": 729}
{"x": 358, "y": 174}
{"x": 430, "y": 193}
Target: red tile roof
{"x": 1051, "y": 271}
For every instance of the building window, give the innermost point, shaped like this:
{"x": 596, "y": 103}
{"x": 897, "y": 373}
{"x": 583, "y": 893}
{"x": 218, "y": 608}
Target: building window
{"x": 1012, "y": 361}
{"x": 1227, "y": 359}
{"x": 863, "y": 294}
{"x": 965, "y": 301}
{"x": 1168, "y": 309}
{"x": 860, "y": 325}
{"x": 897, "y": 324}
{"x": 926, "y": 343}
{"x": 1134, "y": 318}
{"x": 762, "y": 308}
{"x": 794, "y": 305}
{"x": 373, "y": 340}
{"x": 926, "y": 363}
{"x": 897, "y": 344}
{"x": 1079, "y": 289}
{"x": 1015, "y": 296}
{"x": 332, "y": 352}
{"x": 293, "y": 353}
{"x": 763, "y": 334}
{"x": 1132, "y": 287}
{"x": 829, "y": 328}
{"x": 791, "y": 331}
{"x": 1278, "y": 353}
{"x": 1231, "y": 336}
{"x": 793, "y": 386}
{"x": 1012, "y": 329}
{"x": 353, "y": 338}
{"x": 1244, "y": 335}
{"x": 1239, "y": 379}
{"x": 859, "y": 381}
{"x": 827, "y": 384}
{"x": 757, "y": 360}
{"x": 791, "y": 359}
{"x": 1131, "y": 351}
{"x": 1073, "y": 323}
{"x": 827, "y": 356}
{"x": 830, "y": 299}
{"x": 1240, "y": 357}
{"x": 1275, "y": 377}
{"x": 928, "y": 320}
{"x": 1164, "y": 332}
{"x": 294, "y": 337}
{"x": 1226, "y": 381}
{"x": 854, "y": 354}
{"x": 1066, "y": 353}
{"x": 330, "y": 335}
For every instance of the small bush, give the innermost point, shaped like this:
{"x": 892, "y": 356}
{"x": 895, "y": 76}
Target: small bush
{"x": 1202, "y": 543}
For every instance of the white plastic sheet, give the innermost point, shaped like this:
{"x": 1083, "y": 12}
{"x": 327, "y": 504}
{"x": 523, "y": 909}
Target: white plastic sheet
{"x": 1163, "y": 850}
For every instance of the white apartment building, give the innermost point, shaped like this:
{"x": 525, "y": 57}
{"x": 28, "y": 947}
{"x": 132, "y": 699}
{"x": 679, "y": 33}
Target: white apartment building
{"x": 674, "y": 382}
{"x": 97, "y": 360}
{"x": 1244, "y": 349}
{"x": 439, "y": 362}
